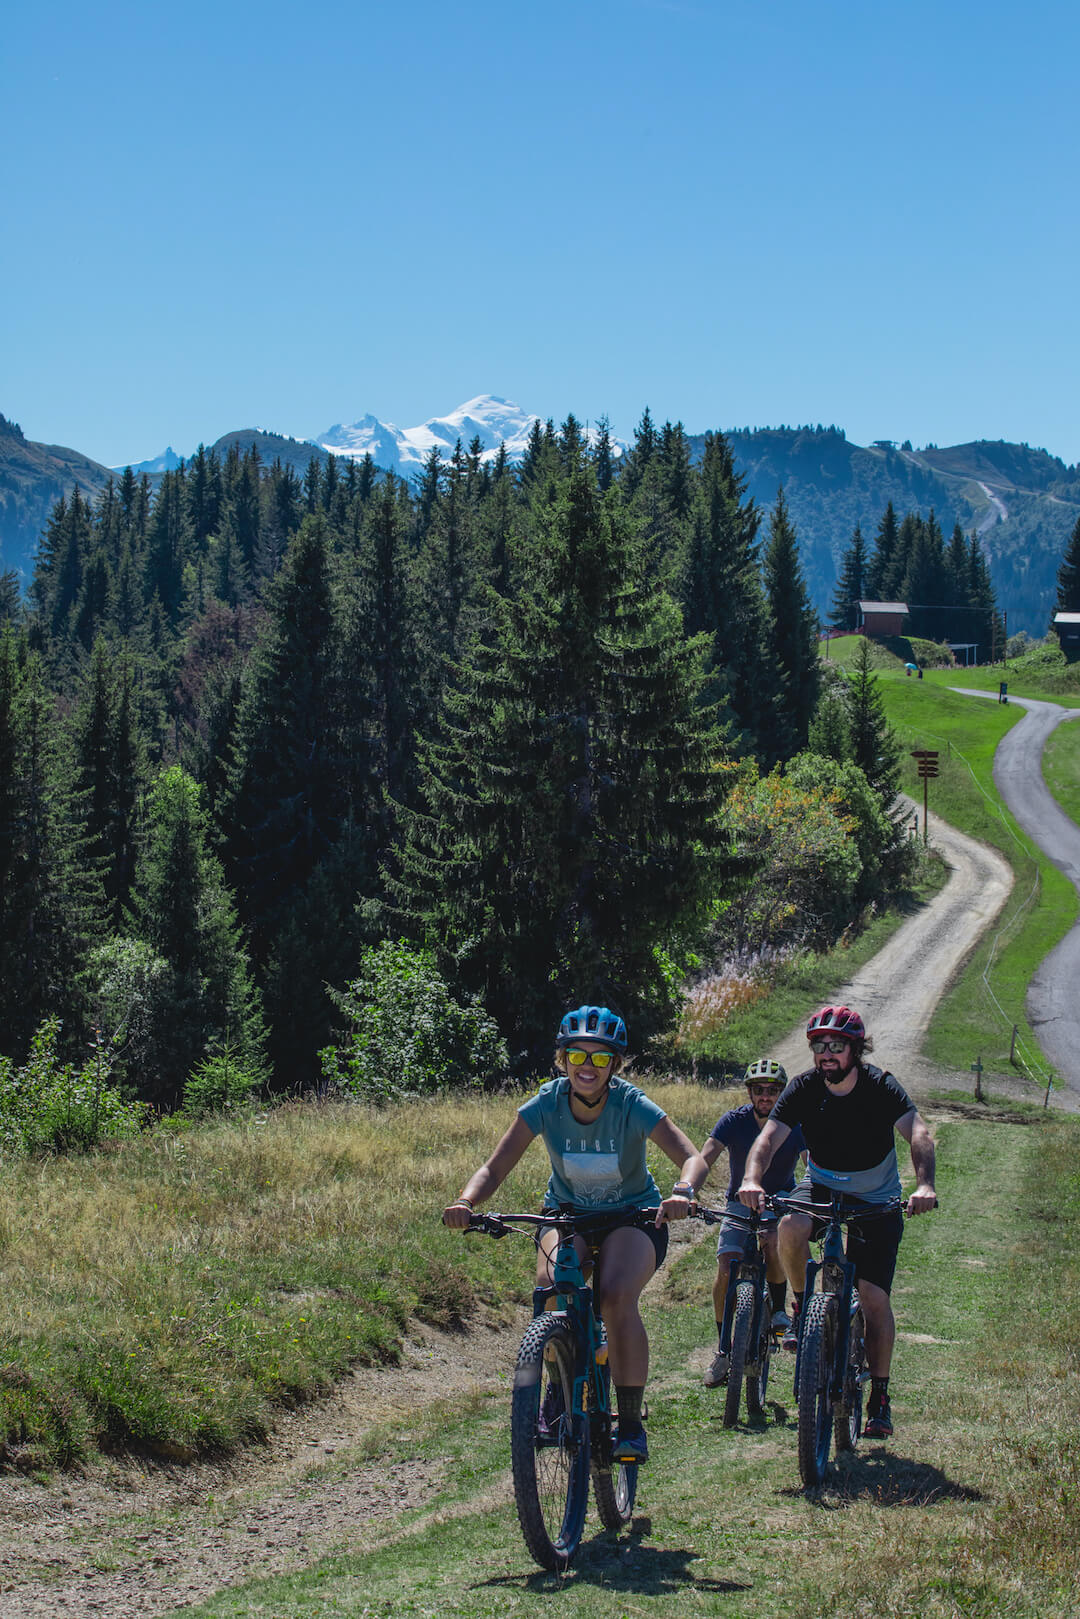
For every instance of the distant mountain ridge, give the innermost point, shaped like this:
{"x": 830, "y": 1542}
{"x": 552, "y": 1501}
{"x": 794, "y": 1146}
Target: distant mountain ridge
{"x": 32, "y": 479}
{"x": 1022, "y": 502}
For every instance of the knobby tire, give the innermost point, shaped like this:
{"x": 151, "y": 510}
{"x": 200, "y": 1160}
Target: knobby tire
{"x": 741, "y": 1349}
{"x": 815, "y": 1374}
{"x": 757, "y": 1376}
{"x": 847, "y": 1422}
{"x": 551, "y": 1470}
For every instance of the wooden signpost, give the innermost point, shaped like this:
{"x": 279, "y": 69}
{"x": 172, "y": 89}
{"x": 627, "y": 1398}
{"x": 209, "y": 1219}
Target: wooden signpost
{"x": 927, "y": 759}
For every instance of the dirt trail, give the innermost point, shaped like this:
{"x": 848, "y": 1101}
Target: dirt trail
{"x": 139, "y": 1539}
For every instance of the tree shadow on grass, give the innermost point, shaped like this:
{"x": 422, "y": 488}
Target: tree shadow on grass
{"x": 624, "y": 1563}
{"x": 886, "y": 1480}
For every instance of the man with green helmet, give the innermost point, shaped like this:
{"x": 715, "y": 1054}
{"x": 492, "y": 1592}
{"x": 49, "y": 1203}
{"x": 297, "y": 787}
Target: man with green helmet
{"x": 738, "y": 1130}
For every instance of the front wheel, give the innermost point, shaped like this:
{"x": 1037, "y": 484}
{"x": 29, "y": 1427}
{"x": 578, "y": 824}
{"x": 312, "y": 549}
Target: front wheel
{"x": 847, "y": 1421}
{"x": 741, "y": 1324}
{"x": 549, "y": 1444}
{"x": 815, "y": 1375}
{"x": 757, "y": 1377}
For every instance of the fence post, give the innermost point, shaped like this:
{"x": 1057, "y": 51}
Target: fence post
{"x": 976, "y": 1069}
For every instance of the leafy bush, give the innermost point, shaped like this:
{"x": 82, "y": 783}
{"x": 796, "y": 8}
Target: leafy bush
{"x": 409, "y": 1034}
{"x": 798, "y": 840}
{"x": 50, "y": 1106}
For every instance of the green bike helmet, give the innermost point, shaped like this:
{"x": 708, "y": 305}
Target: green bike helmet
{"x": 766, "y": 1071}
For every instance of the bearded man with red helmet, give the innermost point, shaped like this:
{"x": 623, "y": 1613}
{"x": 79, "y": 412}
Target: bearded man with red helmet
{"x": 848, "y": 1111}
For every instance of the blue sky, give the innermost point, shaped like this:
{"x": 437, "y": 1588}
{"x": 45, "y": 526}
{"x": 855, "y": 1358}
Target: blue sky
{"x": 744, "y": 212}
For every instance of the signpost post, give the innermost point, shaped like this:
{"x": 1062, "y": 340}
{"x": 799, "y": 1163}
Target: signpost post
{"x": 927, "y": 760}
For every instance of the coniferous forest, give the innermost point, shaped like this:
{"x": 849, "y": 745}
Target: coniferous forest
{"x": 279, "y": 749}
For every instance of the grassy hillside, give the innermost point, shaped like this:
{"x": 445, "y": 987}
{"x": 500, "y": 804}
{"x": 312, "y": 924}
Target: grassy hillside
{"x": 968, "y": 1510}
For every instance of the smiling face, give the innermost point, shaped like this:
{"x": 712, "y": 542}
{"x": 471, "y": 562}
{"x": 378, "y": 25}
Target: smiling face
{"x": 589, "y": 1079}
{"x": 834, "y": 1056}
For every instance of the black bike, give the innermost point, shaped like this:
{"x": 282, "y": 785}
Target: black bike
{"x": 560, "y": 1417}
{"x": 746, "y": 1332}
{"x": 830, "y": 1363}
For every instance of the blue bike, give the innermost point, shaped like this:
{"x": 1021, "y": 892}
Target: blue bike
{"x": 561, "y": 1418}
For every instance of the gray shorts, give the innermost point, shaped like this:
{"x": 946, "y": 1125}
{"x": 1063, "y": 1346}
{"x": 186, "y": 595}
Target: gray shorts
{"x": 737, "y": 1239}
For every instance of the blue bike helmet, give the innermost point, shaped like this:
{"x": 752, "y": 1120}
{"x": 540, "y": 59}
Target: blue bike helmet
{"x": 592, "y": 1023}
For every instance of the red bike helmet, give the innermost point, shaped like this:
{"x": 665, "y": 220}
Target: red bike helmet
{"x": 836, "y": 1020}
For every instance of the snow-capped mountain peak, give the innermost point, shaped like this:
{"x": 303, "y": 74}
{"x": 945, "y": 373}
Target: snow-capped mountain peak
{"x": 404, "y": 450}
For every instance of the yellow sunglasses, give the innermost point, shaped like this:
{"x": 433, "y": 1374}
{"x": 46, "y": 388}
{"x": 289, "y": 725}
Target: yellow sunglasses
{"x": 599, "y": 1059}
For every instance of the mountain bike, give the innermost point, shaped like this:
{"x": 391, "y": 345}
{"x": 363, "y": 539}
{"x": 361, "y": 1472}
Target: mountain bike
{"x": 746, "y": 1330}
{"x": 560, "y": 1416}
{"x": 830, "y": 1361}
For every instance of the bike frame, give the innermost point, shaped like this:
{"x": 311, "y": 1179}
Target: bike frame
{"x": 837, "y": 1276}
{"x": 574, "y": 1298}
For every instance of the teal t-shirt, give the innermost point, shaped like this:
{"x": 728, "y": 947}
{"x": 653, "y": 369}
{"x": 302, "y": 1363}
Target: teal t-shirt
{"x": 600, "y": 1165}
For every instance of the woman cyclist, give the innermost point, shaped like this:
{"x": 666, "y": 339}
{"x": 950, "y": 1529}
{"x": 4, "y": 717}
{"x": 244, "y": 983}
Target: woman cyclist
{"x": 595, "y": 1127}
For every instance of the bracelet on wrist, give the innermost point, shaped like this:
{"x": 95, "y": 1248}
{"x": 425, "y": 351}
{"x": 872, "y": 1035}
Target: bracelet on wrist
{"x": 466, "y": 1200}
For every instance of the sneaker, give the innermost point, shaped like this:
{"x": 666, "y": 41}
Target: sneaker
{"x": 878, "y": 1420}
{"x": 791, "y": 1333}
{"x": 717, "y": 1374}
{"x": 631, "y": 1447}
{"x": 781, "y": 1321}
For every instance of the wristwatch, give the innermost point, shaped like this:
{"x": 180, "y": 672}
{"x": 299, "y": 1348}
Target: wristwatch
{"x": 684, "y": 1189}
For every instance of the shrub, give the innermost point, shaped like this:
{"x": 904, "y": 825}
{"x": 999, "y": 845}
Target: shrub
{"x": 409, "y": 1034}
{"x": 50, "y": 1106}
{"x": 217, "y": 1085}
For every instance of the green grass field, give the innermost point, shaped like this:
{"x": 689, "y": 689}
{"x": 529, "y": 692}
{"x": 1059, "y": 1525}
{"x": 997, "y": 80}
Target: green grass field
{"x": 969, "y": 1510}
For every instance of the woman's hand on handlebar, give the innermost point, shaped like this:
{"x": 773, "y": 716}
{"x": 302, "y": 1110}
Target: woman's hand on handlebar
{"x": 457, "y": 1215}
{"x": 675, "y": 1207}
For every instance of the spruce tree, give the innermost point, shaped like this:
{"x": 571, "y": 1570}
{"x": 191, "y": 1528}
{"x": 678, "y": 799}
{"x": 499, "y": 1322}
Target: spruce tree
{"x": 1068, "y": 575}
{"x": 183, "y": 910}
{"x": 567, "y": 827}
{"x": 851, "y": 587}
{"x": 721, "y": 595}
{"x": 794, "y": 626}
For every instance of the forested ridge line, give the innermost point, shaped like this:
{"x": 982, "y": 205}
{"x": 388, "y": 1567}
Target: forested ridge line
{"x": 461, "y": 752}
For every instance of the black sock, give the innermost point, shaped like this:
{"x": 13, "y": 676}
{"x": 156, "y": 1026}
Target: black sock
{"x": 778, "y": 1294}
{"x": 629, "y": 1398}
{"x": 879, "y": 1388}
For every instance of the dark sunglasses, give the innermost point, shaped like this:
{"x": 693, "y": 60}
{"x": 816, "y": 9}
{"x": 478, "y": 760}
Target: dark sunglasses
{"x": 598, "y": 1059}
{"x": 835, "y": 1046}
{"x": 765, "y": 1090}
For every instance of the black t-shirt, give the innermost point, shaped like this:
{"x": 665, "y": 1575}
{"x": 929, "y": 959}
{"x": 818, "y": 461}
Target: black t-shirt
{"x": 852, "y": 1132}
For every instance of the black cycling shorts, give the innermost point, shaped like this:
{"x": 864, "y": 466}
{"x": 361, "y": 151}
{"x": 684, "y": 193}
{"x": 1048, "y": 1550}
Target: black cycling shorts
{"x": 595, "y": 1236}
{"x": 872, "y": 1243}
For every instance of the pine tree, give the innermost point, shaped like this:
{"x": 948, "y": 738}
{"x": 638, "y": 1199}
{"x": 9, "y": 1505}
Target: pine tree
{"x": 851, "y": 587}
{"x": 50, "y": 897}
{"x": 110, "y": 773}
{"x": 184, "y": 911}
{"x": 881, "y": 575}
{"x": 721, "y": 595}
{"x": 569, "y": 800}
{"x": 1068, "y": 575}
{"x": 794, "y": 625}
{"x": 874, "y": 747}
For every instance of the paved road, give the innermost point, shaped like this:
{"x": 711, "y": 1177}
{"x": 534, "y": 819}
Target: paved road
{"x": 898, "y": 989}
{"x": 1053, "y": 998}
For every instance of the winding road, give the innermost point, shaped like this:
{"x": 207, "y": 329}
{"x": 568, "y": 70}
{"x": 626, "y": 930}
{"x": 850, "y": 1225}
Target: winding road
{"x": 898, "y": 989}
{"x": 1053, "y": 1004}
